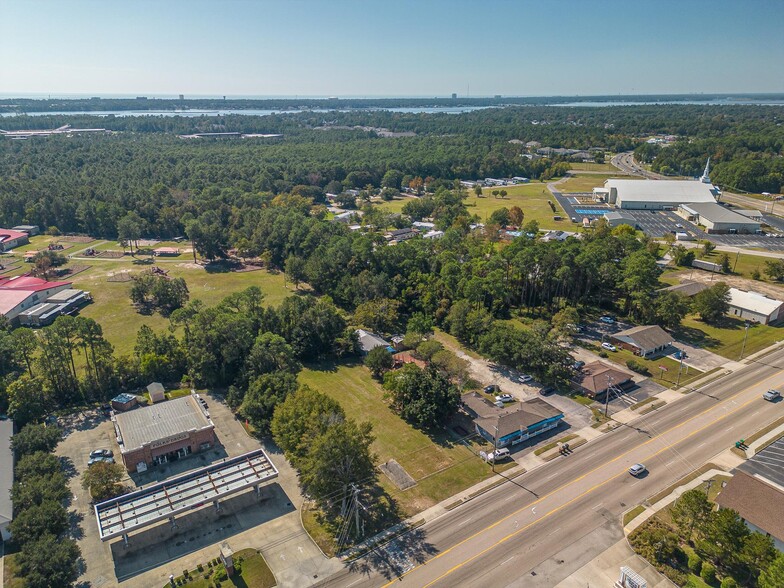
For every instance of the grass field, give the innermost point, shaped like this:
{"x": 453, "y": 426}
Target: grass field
{"x": 112, "y": 308}
{"x": 726, "y": 339}
{"x": 440, "y": 466}
{"x": 743, "y": 264}
{"x": 587, "y": 182}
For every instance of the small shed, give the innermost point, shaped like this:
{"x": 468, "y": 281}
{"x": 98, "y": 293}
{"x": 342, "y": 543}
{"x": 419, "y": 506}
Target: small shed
{"x": 124, "y": 402}
{"x": 157, "y": 392}
{"x": 166, "y": 251}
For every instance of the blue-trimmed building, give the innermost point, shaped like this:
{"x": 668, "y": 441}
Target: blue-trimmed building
{"x": 532, "y": 418}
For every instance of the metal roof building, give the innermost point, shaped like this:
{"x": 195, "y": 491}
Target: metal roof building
{"x": 6, "y": 477}
{"x": 658, "y": 194}
{"x": 163, "y": 432}
{"x": 119, "y": 516}
{"x": 718, "y": 219}
{"x": 754, "y": 306}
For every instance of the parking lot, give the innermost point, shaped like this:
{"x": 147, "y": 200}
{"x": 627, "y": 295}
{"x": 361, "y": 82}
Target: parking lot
{"x": 270, "y": 523}
{"x": 768, "y": 463}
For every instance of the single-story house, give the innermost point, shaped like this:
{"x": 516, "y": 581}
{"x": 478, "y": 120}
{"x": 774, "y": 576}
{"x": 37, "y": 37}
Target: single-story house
{"x": 596, "y": 377}
{"x": 477, "y": 406}
{"x": 759, "y": 504}
{"x": 6, "y": 478}
{"x": 399, "y": 235}
{"x": 533, "y": 417}
{"x": 754, "y": 306}
{"x": 686, "y": 288}
{"x": 645, "y": 341}
{"x": 433, "y": 235}
{"x": 368, "y": 341}
{"x": 10, "y": 239}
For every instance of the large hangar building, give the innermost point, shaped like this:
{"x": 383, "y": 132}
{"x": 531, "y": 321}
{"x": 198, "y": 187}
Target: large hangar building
{"x": 658, "y": 194}
{"x": 163, "y": 432}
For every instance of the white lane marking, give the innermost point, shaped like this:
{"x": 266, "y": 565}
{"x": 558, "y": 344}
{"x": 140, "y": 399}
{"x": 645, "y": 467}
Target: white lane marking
{"x": 597, "y": 506}
{"x": 730, "y": 428}
{"x": 701, "y": 444}
{"x": 352, "y": 583}
{"x": 554, "y": 532}
{"x": 635, "y": 483}
{"x": 465, "y": 522}
{"x": 506, "y": 561}
{"x": 552, "y": 475}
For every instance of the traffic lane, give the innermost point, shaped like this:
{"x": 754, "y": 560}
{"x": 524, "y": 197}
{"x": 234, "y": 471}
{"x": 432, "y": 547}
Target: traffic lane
{"x": 608, "y": 480}
{"x": 470, "y": 518}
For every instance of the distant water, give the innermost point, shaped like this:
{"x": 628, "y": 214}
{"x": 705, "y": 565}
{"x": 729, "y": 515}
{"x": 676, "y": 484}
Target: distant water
{"x": 249, "y": 112}
{"x": 720, "y": 102}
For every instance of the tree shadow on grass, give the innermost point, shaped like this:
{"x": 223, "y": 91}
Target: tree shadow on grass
{"x": 695, "y": 337}
{"x": 332, "y": 365}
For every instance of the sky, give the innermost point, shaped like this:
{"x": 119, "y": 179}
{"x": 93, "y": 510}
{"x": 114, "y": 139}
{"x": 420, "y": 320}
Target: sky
{"x": 390, "y": 48}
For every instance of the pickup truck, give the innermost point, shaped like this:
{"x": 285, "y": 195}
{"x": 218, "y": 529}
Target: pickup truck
{"x": 772, "y": 395}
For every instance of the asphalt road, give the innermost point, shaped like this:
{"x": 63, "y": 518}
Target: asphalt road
{"x": 540, "y": 527}
{"x": 626, "y": 163}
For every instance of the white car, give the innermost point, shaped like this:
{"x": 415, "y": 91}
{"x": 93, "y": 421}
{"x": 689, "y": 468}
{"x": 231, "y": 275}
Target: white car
{"x": 504, "y": 398}
{"x": 637, "y": 469}
{"x": 772, "y": 395}
{"x": 607, "y": 320}
{"x": 609, "y": 346}
{"x": 525, "y": 378}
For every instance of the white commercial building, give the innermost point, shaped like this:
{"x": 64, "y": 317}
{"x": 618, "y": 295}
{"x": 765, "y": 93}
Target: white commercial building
{"x": 754, "y": 306}
{"x": 658, "y": 194}
{"x": 718, "y": 219}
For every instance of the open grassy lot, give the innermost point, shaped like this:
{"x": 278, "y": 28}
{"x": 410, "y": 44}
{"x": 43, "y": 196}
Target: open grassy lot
{"x": 587, "y": 182}
{"x": 594, "y": 167}
{"x": 440, "y": 466}
{"x": 743, "y": 264}
{"x": 726, "y": 338}
{"x": 112, "y": 308}
{"x": 254, "y": 572}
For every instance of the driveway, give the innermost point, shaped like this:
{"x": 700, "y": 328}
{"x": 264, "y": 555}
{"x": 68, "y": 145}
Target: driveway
{"x": 700, "y": 358}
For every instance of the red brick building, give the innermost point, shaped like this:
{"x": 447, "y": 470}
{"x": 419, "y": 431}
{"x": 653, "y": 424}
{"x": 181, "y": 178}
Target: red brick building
{"x": 163, "y": 432}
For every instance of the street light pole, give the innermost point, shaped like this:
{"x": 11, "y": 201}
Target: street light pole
{"x": 680, "y": 368}
{"x": 495, "y": 445}
{"x": 607, "y": 395}
{"x": 745, "y": 335}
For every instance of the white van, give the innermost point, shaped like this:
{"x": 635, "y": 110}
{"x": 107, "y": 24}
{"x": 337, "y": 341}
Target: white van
{"x": 498, "y": 455}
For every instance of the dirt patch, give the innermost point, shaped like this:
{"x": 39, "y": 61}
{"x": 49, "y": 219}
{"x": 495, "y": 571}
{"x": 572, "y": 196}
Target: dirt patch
{"x": 110, "y": 254}
{"x": 77, "y": 239}
{"x": 121, "y": 276}
{"x": 397, "y": 474}
{"x": 734, "y": 281}
{"x": 72, "y": 271}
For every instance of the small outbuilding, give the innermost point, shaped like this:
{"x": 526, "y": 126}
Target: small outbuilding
{"x": 755, "y": 307}
{"x": 124, "y": 401}
{"x": 157, "y": 392}
{"x": 645, "y": 341}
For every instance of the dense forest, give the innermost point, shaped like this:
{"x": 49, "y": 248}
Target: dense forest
{"x": 87, "y": 184}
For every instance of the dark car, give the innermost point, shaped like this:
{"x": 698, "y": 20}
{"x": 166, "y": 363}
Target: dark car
{"x": 578, "y": 365}
{"x": 546, "y": 391}
{"x": 492, "y": 389}
{"x": 101, "y": 453}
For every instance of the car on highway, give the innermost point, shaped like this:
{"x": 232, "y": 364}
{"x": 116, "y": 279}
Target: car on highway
{"x": 607, "y": 319}
{"x": 525, "y": 378}
{"x": 679, "y": 225}
{"x": 609, "y": 346}
{"x": 492, "y": 389}
{"x": 504, "y": 398}
{"x": 772, "y": 395}
{"x": 637, "y": 469}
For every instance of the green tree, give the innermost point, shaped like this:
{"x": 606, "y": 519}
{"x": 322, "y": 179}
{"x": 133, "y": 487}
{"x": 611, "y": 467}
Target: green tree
{"x": 303, "y": 416}
{"x": 691, "y": 510}
{"x": 49, "y": 517}
{"x": 774, "y": 269}
{"x": 724, "y": 262}
{"x": 682, "y": 256}
{"x": 38, "y": 463}
{"x": 338, "y": 458}
{"x": 27, "y": 400}
{"x": 36, "y": 489}
{"x": 49, "y": 562}
{"x": 295, "y": 270}
{"x": 102, "y": 480}
{"x": 264, "y": 394}
{"x": 34, "y": 438}
{"x": 379, "y": 360}
{"x": 425, "y": 398}
{"x": 478, "y": 190}
{"x": 130, "y": 228}
{"x": 270, "y": 353}
{"x": 670, "y": 308}
{"x": 758, "y": 553}
{"x": 500, "y": 216}
{"x": 381, "y": 315}
{"x": 452, "y": 366}
{"x": 708, "y": 248}
{"x": 712, "y": 303}
{"x": 724, "y": 536}
{"x": 773, "y": 575}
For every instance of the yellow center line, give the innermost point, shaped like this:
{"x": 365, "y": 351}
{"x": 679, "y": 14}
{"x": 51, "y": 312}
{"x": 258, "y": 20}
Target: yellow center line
{"x": 559, "y": 489}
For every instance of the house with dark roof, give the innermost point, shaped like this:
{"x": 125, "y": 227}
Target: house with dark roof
{"x": 368, "y": 341}
{"x": 759, "y": 503}
{"x": 686, "y": 288}
{"x": 505, "y": 427}
{"x": 645, "y": 341}
{"x": 596, "y": 377}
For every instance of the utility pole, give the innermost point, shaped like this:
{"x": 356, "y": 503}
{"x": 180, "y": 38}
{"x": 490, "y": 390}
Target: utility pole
{"x": 495, "y": 444}
{"x": 607, "y": 395}
{"x": 737, "y": 257}
{"x": 745, "y": 335}
{"x": 680, "y": 368}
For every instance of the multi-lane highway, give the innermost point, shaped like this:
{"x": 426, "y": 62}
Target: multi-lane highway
{"x": 543, "y": 525}
{"x": 626, "y": 163}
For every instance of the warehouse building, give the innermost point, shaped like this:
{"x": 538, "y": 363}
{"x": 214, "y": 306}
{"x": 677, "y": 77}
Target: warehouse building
{"x": 717, "y": 219}
{"x": 163, "y": 432}
{"x": 658, "y": 194}
{"x": 755, "y": 307}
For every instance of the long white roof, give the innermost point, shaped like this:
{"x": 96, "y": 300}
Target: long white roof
{"x": 753, "y": 301}
{"x": 662, "y": 190}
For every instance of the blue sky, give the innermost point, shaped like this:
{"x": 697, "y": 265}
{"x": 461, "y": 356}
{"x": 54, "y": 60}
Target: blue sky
{"x": 390, "y": 48}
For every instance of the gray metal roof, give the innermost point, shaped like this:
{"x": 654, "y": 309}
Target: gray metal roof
{"x": 145, "y": 507}
{"x": 684, "y": 191}
{"x": 160, "y": 421}
{"x": 716, "y": 213}
{"x": 6, "y": 471}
